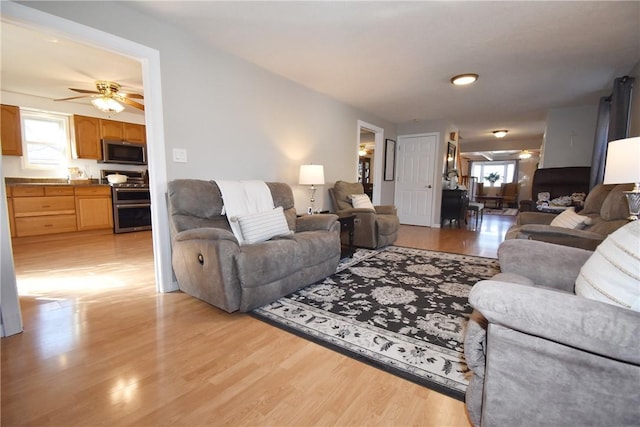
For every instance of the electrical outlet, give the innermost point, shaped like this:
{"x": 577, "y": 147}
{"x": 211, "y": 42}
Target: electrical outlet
{"x": 180, "y": 155}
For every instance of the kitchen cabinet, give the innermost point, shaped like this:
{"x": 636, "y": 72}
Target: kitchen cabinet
{"x": 87, "y": 137}
{"x": 111, "y": 129}
{"x": 40, "y": 209}
{"x": 93, "y": 207}
{"x": 11, "y": 134}
{"x": 135, "y": 133}
{"x": 90, "y": 130}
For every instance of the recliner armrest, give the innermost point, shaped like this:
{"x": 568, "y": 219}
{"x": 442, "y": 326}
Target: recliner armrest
{"x": 554, "y": 266}
{"x": 315, "y": 222}
{"x": 534, "y": 218}
{"x": 567, "y": 319}
{"x": 386, "y": 210}
{"x": 205, "y": 233}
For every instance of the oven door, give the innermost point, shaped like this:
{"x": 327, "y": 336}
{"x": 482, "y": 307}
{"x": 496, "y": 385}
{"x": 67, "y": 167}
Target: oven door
{"x": 132, "y": 217}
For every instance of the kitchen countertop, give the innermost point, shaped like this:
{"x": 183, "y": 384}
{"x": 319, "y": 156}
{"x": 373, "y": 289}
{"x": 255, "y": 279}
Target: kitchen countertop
{"x": 50, "y": 181}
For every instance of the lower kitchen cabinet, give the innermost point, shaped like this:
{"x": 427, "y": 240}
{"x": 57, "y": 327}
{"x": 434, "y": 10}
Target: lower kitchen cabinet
{"x": 37, "y": 210}
{"x": 94, "y": 209}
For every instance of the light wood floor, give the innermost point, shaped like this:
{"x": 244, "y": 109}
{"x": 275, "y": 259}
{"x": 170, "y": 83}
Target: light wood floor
{"x": 101, "y": 347}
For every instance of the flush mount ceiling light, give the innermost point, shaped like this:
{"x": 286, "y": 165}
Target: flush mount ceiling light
{"x": 464, "y": 79}
{"x": 501, "y": 133}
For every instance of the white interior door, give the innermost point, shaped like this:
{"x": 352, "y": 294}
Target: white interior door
{"x": 414, "y": 178}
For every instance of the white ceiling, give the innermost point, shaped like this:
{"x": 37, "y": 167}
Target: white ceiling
{"x": 392, "y": 59}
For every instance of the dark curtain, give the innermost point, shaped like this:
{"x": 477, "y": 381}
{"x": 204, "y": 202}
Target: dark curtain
{"x": 613, "y": 122}
{"x": 600, "y": 143}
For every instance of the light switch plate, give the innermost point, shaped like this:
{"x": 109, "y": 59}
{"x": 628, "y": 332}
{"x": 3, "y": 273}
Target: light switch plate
{"x": 180, "y": 155}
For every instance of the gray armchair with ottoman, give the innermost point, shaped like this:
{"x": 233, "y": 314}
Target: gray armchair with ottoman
{"x": 211, "y": 264}
{"x": 605, "y": 210}
{"x": 375, "y": 226}
{"x": 554, "y": 339}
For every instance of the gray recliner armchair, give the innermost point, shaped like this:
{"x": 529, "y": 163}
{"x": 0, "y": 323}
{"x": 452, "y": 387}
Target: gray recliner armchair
{"x": 540, "y": 355}
{"x": 374, "y": 228}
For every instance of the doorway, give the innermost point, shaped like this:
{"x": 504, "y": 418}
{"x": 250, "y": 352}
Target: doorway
{"x": 415, "y": 181}
{"x": 369, "y": 142}
{"x": 150, "y": 61}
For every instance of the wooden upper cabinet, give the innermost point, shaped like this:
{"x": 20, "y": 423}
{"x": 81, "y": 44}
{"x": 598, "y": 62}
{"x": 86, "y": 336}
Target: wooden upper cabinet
{"x": 112, "y": 129}
{"x": 135, "y": 133}
{"x": 90, "y": 131}
{"x": 87, "y": 130}
{"x": 11, "y": 137}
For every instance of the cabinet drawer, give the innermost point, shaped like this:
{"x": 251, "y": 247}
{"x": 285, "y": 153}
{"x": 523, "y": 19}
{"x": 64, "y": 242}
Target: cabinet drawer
{"x": 37, "y": 225}
{"x": 34, "y": 206}
{"x": 58, "y": 190}
{"x": 94, "y": 190}
{"x": 27, "y": 190}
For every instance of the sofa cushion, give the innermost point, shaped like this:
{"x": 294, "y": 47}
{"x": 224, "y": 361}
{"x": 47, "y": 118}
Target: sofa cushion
{"x": 266, "y": 262}
{"x": 595, "y": 198}
{"x": 361, "y": 201}
{"x": 262, "y": 226}
{"x": 612, "y": 273}
{"x": 570, "y": 219}
{"x": 615, "y": 205}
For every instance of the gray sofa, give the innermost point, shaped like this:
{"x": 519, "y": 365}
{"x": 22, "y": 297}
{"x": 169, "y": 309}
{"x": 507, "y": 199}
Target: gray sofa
{"x": 605, "y": 205}
{"x": 542, "y": 356}
{"x": 209, "y": 264}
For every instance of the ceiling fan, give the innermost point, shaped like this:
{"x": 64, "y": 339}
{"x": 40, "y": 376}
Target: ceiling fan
{"x": 108, "y": 97}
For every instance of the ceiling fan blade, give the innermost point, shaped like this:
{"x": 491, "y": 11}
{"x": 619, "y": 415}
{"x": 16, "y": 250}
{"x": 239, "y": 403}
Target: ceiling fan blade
{"x": 131, "y": 95}
{"x": 84, "y": 91}
{"x": 73, "y": 97}
{"x": 132, "y": 103}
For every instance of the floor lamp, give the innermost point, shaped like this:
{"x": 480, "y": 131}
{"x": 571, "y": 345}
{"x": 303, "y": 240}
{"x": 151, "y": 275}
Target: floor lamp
{"x": 623, "y": 167}
{"x": 311, "y": 175}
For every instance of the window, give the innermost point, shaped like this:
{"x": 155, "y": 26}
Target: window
{"x": 504, "y": 169}
{"x": 45, "y": 138}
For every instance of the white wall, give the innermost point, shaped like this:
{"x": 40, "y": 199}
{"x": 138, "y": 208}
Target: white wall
{"x": 235, "y": 120}
{"x": 569, "y": 136}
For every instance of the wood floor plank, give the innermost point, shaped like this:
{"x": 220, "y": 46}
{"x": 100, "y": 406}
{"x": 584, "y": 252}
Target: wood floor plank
{"x": 101, "y": 347}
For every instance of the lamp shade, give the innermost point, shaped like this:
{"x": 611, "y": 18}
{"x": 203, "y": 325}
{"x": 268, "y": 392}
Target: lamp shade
{"x": 623, "y": 161}
{"x": 311, "y": 175}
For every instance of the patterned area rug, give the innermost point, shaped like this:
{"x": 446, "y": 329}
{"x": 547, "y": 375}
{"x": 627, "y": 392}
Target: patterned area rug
{"x": 403, "y": 310}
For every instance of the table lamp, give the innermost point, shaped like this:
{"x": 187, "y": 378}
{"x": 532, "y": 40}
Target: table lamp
{"x": 311, "y": 175}
{"x": 622, "y": 167}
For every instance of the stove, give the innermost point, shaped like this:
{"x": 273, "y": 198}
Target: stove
{"x": 131, "y": 201}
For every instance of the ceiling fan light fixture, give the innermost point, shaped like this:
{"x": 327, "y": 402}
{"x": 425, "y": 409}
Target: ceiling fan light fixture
{"x": 464, "y": 79}
{"x": 525, "y": 154}
{"x": 107, "y": 104}
{"x": 501, "y": 133}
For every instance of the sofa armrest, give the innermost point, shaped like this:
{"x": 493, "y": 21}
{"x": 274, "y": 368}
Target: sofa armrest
{"x": 561, "y": 236}
{"x": 534, "y": 218}
{"x": 205, "y": 233}
{"x": 570, "y": 320}
{"x": 386, "y": 210}
{"x": 315, "y": 222}
{"x": 549, "y": 265}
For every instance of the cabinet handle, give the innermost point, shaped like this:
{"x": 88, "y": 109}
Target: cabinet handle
{"x": 46, "y": 206}
{"x": 48, "y": 225}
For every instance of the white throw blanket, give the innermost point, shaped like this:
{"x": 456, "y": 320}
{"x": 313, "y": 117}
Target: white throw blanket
{"x": 242, "y": 198}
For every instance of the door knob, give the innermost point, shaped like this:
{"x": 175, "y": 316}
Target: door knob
{"x": 429, "y": 186}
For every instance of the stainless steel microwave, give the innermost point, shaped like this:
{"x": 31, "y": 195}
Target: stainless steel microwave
{"x": 123, "y": 152}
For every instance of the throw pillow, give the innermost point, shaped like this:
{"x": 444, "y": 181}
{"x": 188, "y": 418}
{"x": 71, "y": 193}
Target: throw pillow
{"x": 570, "y": 219}
{"x": 262, "y": 226}
{"x": 612, "y": 273}
{"x": 361, "y": 201}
